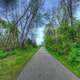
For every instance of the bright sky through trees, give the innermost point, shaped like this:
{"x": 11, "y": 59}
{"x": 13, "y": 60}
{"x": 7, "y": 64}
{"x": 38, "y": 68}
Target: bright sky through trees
{"x": 48, "y": 6}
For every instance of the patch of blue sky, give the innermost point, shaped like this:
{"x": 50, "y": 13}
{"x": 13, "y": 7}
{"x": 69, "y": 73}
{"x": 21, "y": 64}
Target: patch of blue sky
{"x": 77, "y": 15}
{"x": 40, "y": 35}
{"x": 48, "y": 6}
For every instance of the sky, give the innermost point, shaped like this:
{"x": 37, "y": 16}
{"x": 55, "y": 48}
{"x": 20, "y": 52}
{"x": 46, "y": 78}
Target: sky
{"x": 40, "y": 33}
{"x": 78, "y": 13}
{"x": 48, "y": 5}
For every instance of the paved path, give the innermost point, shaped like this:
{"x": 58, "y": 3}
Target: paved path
{"x": 44, "y": 67}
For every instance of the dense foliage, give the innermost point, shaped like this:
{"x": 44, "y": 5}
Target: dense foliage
{"x": 12, "y": 62}
{"x": 65, "y": 41}
{"x": 17, "y": 45}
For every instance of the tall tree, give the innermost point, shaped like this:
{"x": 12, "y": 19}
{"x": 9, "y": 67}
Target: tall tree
{"x": 69, "y": 7}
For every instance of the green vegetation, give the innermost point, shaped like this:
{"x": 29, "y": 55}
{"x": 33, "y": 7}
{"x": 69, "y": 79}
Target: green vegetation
{"x": 64, "y": 45}
{"x": 13, "y": 53}
{"x": 12, "y": 62}
{"x": 18, "y": 34}
{"x": 63, "y": 39}
{"x": 69, "y": 61}
{"x": 17, "y": 39}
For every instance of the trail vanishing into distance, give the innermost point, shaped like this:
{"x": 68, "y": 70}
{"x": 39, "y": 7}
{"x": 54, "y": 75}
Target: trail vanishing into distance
{"x": 43, "y": 66}
{"x": 40, "y": 39}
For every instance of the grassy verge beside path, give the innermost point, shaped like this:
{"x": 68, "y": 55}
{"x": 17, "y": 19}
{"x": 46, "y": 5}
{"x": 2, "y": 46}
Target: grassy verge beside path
{"x": 11, "y": 65}
{"x": 75, "y": 68}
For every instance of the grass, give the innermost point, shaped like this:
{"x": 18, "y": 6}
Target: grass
{"x": 11, "y": 65}
{"x": 75, "y": 68}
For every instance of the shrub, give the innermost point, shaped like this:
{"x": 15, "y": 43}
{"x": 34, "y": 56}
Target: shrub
{"x": 74, "y": 56}
{"x": 3, "y": 54}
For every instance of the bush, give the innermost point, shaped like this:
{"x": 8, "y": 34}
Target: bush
{"x": 3, "y": 54}
{"x": 63, "y": 38}
{"x": 30, "y": 43}
{"x": 74, "y": 56}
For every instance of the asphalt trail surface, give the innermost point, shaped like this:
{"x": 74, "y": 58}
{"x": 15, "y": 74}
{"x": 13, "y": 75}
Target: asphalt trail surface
{"x": 43, "y": 66}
